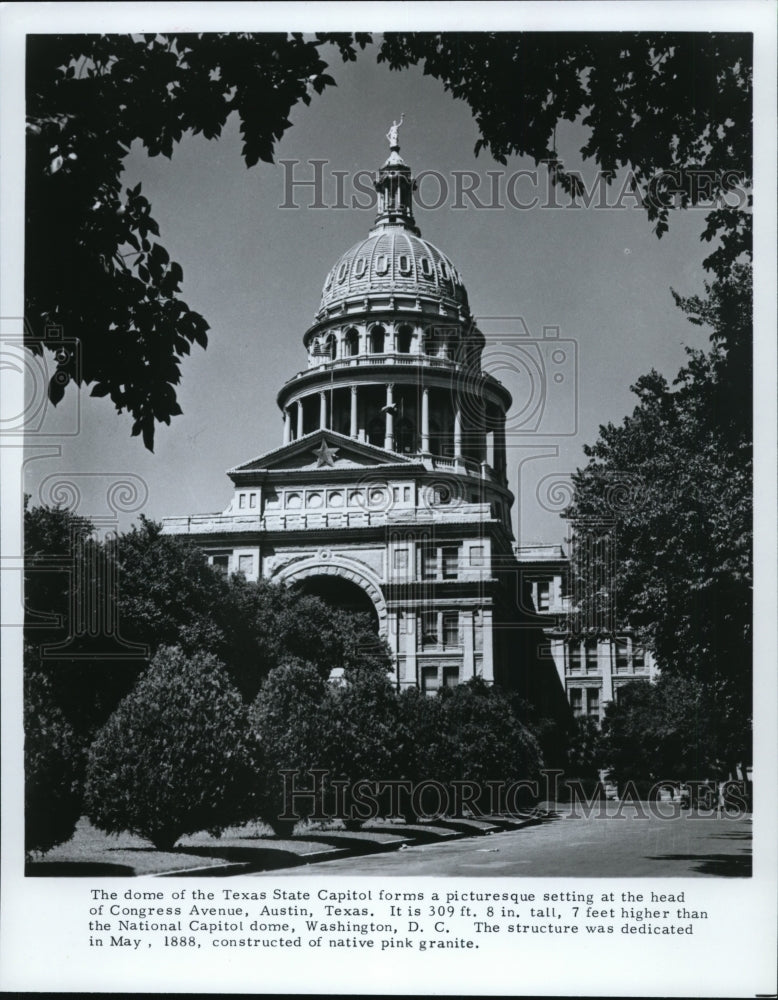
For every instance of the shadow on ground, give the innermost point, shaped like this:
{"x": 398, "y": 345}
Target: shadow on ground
{"x": 726, "y": 865}
{"x": 75, "y": 869}
{"x": 253, "y": 858}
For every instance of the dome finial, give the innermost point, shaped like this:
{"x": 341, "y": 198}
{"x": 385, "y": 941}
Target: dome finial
{"x": 391, "y": 135}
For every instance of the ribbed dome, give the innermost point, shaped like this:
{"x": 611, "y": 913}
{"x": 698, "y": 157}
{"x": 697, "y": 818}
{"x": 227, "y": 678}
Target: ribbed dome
{"x": 394, "y": 261}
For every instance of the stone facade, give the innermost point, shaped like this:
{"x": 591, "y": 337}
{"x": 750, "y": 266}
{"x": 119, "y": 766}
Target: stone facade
{"x": 592, "y": 665}
{"x": 389, "y": 491}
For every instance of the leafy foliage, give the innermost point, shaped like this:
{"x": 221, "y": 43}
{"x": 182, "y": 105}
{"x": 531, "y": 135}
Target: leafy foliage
{"x": 289, "y": 727}
{"x": 176, "y": 755}
{"x": 94, "y": 265}
{"x": 53, "y": 765}
{"x": 584, "y": 753}
{"x": 675, "y": 106}
{"x": 491, "y": 743}
{"x": 671, "y": 489}
{"x": 670, "y": 730}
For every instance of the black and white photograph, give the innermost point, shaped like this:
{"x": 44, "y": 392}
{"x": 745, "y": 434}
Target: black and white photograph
{"x": 388, "y": 473}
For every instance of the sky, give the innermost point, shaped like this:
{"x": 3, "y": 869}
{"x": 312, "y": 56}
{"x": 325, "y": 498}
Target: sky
{"x": 255, "y": 271}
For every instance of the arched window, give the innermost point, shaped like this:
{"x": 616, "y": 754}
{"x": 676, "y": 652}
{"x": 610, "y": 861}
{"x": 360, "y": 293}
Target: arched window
{"x": 426, "y": 268}
{"x": 377, "y": 340}
{"x": 351, "y": 342}
{"x": 404, "y": 339}
{"x": 330, "y": 347}
{"x": 404, "y": 264}
{"x": 360, "y": 267}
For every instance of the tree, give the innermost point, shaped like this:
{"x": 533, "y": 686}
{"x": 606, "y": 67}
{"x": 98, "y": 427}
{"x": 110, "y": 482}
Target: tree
{"x": 289, "y": 726}
{"x": 673, "y": 109}
{"x": 491, "y": 743}
{"x": 664, "y": 731}
{"x": 670, "y": 491}
{"x": 92, "y": 264}
{"x": 361, "y": 716}
{"x": 53, "y": 768}
{"x": 176, "y": 756}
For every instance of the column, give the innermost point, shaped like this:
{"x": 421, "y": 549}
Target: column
{"x": 457, "y": 433}
{"x": 468, "y": 660}
{"x": 604, "y": 662}
{"x": 487, "y": 667}
{"x": 500, "y": 457}
{"x": 322, "y": 410}
{"x": 425, "y": 420}
{"x": 299, "y": 418}
{"x": 389, "y": 413}
{"x": 287, "y": 426}
{"x": 353, "y": 424}
{"x": 408, "y": 679}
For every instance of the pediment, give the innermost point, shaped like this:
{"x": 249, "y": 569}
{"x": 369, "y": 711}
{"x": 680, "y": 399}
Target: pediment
{"x": 323, "y": 450}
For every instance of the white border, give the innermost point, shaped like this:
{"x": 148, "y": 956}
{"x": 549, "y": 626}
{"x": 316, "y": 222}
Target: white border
{"x": 738, "y": 956}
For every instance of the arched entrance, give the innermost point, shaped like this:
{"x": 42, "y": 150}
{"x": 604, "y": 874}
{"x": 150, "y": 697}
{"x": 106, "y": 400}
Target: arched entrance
{"x": 339, "y": 581}
{"x": 340, "y": 593}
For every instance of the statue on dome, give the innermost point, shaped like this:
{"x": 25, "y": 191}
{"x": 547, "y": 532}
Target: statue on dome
{"x": 391, "y": 135}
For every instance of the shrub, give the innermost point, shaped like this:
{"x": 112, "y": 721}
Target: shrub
{"x": 176, "y": 755}
{"x": 490, "y": 743}
{"x": 360, "y": 714}
{"x": 287, "y": 723}
{"x": 53, "y": 762}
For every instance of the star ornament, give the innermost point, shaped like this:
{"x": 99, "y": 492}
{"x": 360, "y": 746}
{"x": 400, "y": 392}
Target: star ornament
{"x": 325, "y": 455}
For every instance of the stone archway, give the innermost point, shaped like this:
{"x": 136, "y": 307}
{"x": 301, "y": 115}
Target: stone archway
{"x": 349, "y": 575}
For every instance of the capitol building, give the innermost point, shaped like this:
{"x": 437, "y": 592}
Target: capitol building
{"x": 388, "y": 492}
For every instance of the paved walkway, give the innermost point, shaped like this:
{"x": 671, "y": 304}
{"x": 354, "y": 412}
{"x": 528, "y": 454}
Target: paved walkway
{"x": 630, "y": 846}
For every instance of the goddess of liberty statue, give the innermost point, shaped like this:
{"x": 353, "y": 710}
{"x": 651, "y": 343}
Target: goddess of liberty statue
{"x": 394, "y": 128}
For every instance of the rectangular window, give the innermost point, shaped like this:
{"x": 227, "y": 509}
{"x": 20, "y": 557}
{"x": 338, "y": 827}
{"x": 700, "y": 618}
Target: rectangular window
{"x": 450, "y": 556}
{"x": 429, "y": 680}
{"x": 477, "y": 555}
{"x": 622, "y": 656}
{"x": 450, "y": 677}
{"x": 576, "y": 701}
{"x": 575, "y": 657}
{"x": 450, "y": 628}
{"x": 544, "y": 595}
{"x": 252, "y": 500}
{"x": 592, "y": 664}
{"x": 429, "y": 563}
{"x": 246, "y": 564}
{"x": 400, "y": 558}
{"x": 593, "y": 701}
{"x": 242, "y": 500}
{"x": 638, "y": 658}
{"x": 478, "y": 632}
{"x": 429, "y": 629}
{"x": 222, "y": 563}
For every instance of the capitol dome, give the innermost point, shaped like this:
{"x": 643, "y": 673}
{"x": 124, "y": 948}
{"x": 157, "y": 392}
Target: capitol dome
{"x": 393, "y": 260}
